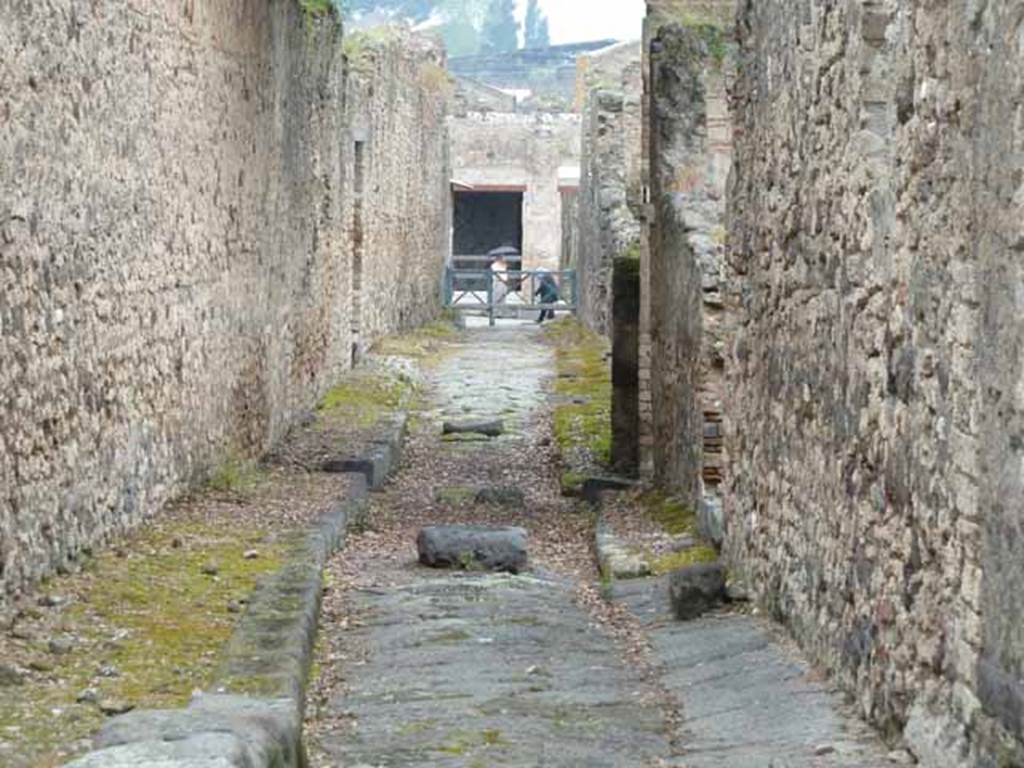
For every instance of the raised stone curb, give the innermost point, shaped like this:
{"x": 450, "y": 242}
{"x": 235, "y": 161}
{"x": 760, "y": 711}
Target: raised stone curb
{"x": 381, "y": 457}
{"x": 252, "y": 717}
{"x": 615, "y": 560}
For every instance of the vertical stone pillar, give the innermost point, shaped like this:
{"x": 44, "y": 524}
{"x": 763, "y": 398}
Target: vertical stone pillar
{"x": 684, "y": 323}
{"x": 625, "y": 364}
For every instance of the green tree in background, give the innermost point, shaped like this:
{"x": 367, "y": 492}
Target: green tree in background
{"x": 500, "y": 32}
{"x": 537, "y": 33}
{"x": 463, "y": 20}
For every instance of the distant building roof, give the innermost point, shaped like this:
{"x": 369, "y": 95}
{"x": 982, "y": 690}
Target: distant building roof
{"x": 553, "y": 54}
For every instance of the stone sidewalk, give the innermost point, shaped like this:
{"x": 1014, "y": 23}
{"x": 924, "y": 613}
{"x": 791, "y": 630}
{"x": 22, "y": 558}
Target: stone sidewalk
{"x": 471, "y": 670}
{"x": 749, "y": 700}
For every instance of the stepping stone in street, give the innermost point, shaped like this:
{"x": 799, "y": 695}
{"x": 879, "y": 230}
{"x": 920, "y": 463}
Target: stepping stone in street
{"x": 493, "y": 428}
{"x": 696, "y": 590}
{"x": 473, "y": 547}
{"x": 501, "y": 497}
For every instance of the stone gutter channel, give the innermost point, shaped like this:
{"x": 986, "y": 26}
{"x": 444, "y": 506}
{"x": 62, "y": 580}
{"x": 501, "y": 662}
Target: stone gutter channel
{"x": 252, "y": 715}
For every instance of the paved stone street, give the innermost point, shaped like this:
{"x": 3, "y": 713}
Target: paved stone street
{"x": 433, "y": 668}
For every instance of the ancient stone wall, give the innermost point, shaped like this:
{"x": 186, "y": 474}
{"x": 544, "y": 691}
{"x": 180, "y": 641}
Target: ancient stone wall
{"x": 175, "y": 264}
{"x": 396, "y": 111}
{"x": 689, "y": 157}
{"x": 609, "y": 200}
{"x": 497, "y": 151}
{"x": 875, "y": 400}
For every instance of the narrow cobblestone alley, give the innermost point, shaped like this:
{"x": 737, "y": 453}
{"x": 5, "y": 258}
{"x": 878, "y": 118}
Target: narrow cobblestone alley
{"x": 427, "y": 668}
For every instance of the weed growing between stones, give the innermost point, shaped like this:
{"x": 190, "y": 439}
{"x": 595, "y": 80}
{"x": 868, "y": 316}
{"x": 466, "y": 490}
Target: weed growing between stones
{"x": 317, "y": 7}
{"x": 235, "y": 474}
{"x": 360, "y": 47}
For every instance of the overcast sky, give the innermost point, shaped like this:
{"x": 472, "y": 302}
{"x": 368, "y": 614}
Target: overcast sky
{"x": 577, "y": 20}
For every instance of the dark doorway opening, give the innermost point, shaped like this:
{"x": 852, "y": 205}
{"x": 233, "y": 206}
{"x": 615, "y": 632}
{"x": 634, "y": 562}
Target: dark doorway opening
{"x": 485, "y": 220}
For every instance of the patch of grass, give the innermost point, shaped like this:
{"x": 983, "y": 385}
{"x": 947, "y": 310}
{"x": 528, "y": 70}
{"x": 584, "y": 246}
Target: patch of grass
{"x": 364, "y": 400}
{"x": 317, "y": 7}
{"x": 235, "y": 475}
{"x": 455, "y": 495}
{"x": 677, "y": 560}
{"x": 582, "y": 422}
{"x": 572, "y": 483}
{"x": 467, "y": 741}
{"x": 360, "y": 47}
{"x": 674, "y": 516}
{"x": 435, "y": 79}
{"x": 425, "y": 344}
{"x": 154, "y": 616}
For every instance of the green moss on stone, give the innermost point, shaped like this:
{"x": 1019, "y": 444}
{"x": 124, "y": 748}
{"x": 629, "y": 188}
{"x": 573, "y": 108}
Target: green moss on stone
{"x": 152, "y": 615}
{"x": 684, "y": 559}
{"x": 582, "y": 419}
{"x": 674, "y": 516}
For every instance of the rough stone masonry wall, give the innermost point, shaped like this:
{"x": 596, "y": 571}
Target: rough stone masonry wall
{"x": 876, "y": 404}
{"x": 175, "y": 282}
{"x": 710, "y": 14}
{"x": 689, "y": 156}
{"x": 397, "y": 99}
{"x": 609, "y": 198}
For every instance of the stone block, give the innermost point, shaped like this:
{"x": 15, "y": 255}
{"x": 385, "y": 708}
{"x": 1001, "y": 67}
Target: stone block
{"x": 488, "y": 428}
{"x": 501, "y": 497}
{"x": 471, "y": 547}
{"x": 695, "y": 590}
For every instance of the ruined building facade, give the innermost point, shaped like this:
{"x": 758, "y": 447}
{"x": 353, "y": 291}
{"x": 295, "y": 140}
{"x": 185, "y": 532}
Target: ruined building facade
{"x": 607, "y": 221}
{"x": 689, "y": 63}
{"x": 876, "y": 498}
{"x": 856, "y": 318}
{"x": 204, "y": 213}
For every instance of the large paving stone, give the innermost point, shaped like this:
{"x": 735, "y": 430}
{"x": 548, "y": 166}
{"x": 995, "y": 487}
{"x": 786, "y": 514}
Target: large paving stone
{"x": 473, "y": 670}
{"x": 463, "y": 546}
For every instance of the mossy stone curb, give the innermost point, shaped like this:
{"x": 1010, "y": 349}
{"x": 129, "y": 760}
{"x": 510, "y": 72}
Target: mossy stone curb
{"x": 253, "y": 716}
{"x": 381, "y": 457}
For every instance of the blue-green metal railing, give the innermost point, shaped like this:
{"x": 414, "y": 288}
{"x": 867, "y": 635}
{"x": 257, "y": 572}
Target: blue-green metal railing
{"x": 491, "y": 291}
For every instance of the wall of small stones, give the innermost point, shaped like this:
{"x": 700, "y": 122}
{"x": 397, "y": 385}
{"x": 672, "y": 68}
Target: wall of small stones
{"x": 397, "y": 99}
{"x": 876, "y": 400}
{"x": 610, "y": 191}
{"x": 175, "y": 248}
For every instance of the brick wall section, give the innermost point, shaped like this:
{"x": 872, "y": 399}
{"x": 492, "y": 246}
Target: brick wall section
{"x": 875, "y": 492}
{"x": 174, "y": 274}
